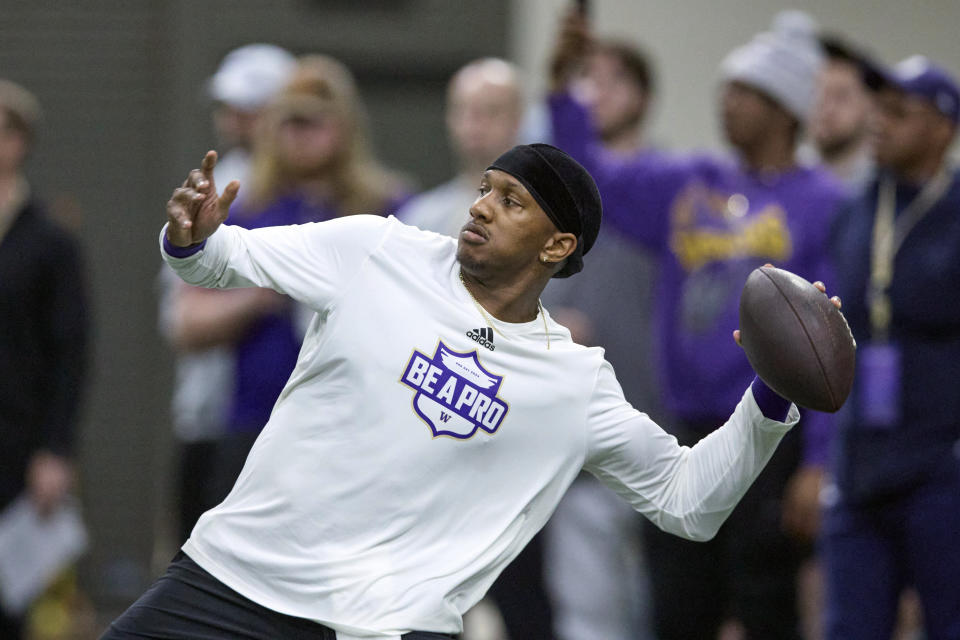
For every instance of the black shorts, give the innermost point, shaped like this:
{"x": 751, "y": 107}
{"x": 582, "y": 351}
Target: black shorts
{"x": 188, "y": 602}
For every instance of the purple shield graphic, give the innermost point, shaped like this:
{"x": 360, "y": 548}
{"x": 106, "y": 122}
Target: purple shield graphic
{"x": 455, "y": 395}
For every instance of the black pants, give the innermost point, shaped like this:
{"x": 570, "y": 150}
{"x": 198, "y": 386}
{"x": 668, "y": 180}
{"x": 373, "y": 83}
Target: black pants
{"x": 520, "y": 594}
{"x": 194, "y": 493}
{"x": 187, "y": 602}
{"x": 748, "y": 571}
{"x": 227, "y": 460}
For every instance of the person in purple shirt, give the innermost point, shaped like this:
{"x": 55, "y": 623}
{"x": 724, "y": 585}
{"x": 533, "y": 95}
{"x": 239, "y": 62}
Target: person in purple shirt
{"x": 711, "y": 221}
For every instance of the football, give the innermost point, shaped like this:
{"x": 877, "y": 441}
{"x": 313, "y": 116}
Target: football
{"x": 797, "y": 341}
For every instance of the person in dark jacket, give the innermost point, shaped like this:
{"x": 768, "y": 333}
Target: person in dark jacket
{"x": 894, "y": 510}
{"x": 43, "y": 331}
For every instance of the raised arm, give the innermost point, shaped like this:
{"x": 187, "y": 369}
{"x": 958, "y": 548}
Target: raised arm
{"x": 572, "y": 129}
{"x": 637, "y": 189}
{"x": 312, "y": 263}
{"x": 573, "y": 45}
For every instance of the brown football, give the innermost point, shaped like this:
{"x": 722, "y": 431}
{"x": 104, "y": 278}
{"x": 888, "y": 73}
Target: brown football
{"x": 797, "y": 341}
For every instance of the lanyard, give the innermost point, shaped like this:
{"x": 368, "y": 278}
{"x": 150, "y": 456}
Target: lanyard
{"x": 889, "y": 233}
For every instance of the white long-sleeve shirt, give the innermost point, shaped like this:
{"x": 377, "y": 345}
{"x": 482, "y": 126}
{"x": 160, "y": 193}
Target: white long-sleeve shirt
{"x": 406, "y": 463}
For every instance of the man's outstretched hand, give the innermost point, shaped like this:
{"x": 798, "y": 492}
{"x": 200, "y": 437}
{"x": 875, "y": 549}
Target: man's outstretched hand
{"x": 573, "y": 44}
{"x": 196, "y": 210}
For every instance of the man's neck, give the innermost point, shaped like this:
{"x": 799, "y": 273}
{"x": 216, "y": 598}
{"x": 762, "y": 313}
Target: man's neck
{"x": 627, "y": 142}
{"x": 316, "y": 189}
{"x": 844, "y": 160}
{"x": 772, "y": 154}
{"x": 920, "y": 172}
{"x": 512, "y": 300}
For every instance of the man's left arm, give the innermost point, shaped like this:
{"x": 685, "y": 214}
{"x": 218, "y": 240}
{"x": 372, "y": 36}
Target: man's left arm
{"x": 687, "y": 491}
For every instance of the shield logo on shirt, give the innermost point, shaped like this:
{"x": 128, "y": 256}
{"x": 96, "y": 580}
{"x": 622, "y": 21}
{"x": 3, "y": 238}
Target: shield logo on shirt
{"x": 456, "y": 395}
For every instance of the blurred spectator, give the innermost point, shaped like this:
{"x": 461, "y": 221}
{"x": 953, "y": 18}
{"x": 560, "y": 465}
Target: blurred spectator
{"x": 894, "y": 512}
{"x": 594, "y": 562}
{"x": 43, "y": 331}
{"x": 313, "y": 155}
{"x": 616, "y": 86}
{"x": 711, "y": 222}
{"x": 838, "y": 141}
{"x": 838, "y": 127}
{"x": 246, "y": 79}
{"x": 311, "y": 161}
{"x": 484, "y": 111}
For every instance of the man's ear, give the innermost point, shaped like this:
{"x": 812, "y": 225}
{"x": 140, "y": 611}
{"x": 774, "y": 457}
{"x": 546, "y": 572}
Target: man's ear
{"x": 558, "y": 247}
{"x": 945, "y": 132}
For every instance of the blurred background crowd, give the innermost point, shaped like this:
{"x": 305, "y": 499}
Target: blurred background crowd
{"x": 721, "y": 137}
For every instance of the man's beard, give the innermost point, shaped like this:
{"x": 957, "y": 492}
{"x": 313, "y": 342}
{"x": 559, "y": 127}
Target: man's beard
{"x": 837, "y": 146}
{"x": 469, "y": 264}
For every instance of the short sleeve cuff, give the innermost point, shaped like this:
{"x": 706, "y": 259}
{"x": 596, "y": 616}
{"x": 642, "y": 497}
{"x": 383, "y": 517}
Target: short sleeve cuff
{"x": 772, "y": 405}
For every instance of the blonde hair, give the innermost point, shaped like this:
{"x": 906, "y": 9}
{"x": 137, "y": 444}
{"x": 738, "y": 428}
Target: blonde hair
{"x": 21, "y": 106}
{"x": 319, "y": 83}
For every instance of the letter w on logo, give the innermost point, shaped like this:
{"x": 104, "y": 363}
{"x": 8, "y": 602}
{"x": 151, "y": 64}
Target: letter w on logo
{"x": 444, "y": 416}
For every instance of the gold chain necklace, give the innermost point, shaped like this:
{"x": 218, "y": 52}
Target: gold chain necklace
{"x": 489, "y": 320}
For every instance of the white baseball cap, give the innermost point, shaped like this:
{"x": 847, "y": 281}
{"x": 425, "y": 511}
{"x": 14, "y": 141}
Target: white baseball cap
{"x": 249, "y": 76}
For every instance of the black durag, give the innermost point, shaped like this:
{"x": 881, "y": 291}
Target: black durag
{"x": 563, "y": 189}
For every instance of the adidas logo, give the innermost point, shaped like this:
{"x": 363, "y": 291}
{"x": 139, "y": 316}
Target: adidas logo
{"x": 483, "y": 337}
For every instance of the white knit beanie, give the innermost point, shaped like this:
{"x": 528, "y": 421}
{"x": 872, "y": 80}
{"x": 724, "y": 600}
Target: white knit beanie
{"x": 782, "y": 63}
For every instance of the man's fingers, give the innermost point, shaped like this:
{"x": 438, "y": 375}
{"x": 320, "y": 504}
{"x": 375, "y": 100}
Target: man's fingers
{"x": 180, "y": 214}
{"x": 197, "y": 180}
{"x": 227, "y": 198}
{"x": 823, "y": 289}
{"x": 209, "y": 162}
{"x": 576, "y": 33}
{"x": 736, "y": 337}
{"x": 187, "y": 196}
